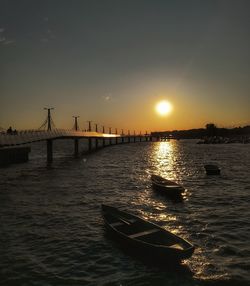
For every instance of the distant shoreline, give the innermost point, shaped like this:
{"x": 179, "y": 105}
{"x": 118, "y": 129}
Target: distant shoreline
{"x": 210, "y": 135}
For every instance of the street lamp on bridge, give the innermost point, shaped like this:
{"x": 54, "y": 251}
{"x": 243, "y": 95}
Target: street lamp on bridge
{"x": 96, "y": 127}
{"x": 89, "y": 122}
{"x": 76, "y": 123}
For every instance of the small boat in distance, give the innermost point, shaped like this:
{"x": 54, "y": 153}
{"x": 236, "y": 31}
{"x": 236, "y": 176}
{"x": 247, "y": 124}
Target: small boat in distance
{"x": 166, "y": 186}
{"x": 212, "y": 169}
{"x": 144, "y": 238}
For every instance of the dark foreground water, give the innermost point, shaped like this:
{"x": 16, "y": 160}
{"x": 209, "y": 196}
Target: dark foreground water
{"x": 52, "y": 232}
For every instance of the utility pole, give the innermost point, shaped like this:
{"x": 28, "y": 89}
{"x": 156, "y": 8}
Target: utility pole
{"x": 49, "y": 117}
{"x": 103, "y": 140}
{"x": 116, "y": 138}
{"x": 122, "y": 136}
{"x": 76, "y": 140}
{"x": 89, "y": 126}
{"x": 76, "y": 123}
{"x": 90, "y": 141}
{"x": 110, "y": 139}
{"x": 49, "y": 141}
{"x": 96, "y": 140}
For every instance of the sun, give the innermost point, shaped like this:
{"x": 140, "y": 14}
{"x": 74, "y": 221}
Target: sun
{"x": 163, "y": 107}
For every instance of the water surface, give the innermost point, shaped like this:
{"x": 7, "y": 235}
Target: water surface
{"x": 52, "y": 231}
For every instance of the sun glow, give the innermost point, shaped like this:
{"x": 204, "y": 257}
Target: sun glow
{"x": 163, "y": 107}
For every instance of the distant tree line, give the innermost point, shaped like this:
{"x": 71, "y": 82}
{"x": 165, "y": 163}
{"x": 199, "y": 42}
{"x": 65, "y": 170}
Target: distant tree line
{"x": 210, "y": 130}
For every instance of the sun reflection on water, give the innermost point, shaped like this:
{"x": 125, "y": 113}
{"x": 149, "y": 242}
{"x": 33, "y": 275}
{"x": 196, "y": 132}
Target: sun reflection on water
{"x": 164, "y": 158}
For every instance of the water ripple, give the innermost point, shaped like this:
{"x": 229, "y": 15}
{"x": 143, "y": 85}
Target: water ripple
{"x": 52, "y": 231}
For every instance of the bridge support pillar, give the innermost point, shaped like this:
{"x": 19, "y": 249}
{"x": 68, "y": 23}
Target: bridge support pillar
{"x": 96, "y": 143}
{"x": 49, "y": 151}
{"x": 90, "y": 144}
{"x": 76, "y": 141}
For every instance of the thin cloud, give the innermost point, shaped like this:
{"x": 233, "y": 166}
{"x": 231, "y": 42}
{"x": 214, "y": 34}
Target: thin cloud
{"x": 3, "y": 40}
{"x": 9, "y": 42}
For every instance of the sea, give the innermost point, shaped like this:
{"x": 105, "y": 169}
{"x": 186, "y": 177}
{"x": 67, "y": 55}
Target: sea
{"x": 52, "y": 230}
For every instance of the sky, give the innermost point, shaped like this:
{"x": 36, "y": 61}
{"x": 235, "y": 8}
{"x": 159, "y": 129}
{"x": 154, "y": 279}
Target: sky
{"x": 111, "y": 61}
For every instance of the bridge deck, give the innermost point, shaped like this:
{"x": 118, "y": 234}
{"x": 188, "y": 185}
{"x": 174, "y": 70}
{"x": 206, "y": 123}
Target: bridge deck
{"x": 26, "y": 137}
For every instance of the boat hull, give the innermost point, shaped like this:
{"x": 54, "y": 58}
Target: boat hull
{"x": 166, "y": 187}
{"x": 212, "y": 170}
{"x": 146, "y": 249}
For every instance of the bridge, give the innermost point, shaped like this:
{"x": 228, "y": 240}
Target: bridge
{"x": 14, "y": 139}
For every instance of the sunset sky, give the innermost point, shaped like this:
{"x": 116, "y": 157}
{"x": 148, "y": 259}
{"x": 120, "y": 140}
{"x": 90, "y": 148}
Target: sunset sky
{"x": 112, "y": 61}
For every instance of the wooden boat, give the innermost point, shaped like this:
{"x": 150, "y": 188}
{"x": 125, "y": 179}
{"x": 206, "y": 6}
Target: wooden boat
{"x": 166, "y": 187}
{"x": 145, "y": 238}
{"x": 212, "y": 169}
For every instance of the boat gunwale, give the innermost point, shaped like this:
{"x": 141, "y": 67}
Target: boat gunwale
{"x": 166, "y": 184}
